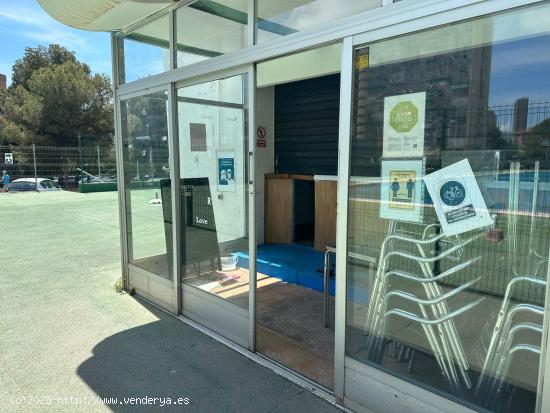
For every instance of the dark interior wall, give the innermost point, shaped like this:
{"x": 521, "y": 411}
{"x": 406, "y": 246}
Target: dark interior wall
{"x": 306, "y": 126}
{"x": 304, "y": 202}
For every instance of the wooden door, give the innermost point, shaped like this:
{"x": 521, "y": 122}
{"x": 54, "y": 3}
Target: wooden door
{"x": 325, "y": 214}
{"x": 279, "y": 209}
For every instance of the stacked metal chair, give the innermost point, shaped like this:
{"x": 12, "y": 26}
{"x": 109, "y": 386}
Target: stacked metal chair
{"x": 537, "y": 262}
{"x": 435, "y": 318}
{"x": 506, "y": 340}
{"x": 504, "y": 343}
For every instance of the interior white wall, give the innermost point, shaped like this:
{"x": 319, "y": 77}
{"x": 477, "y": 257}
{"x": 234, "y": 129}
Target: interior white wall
{"x": 265, "y": 157}
{"x": 224, "y": 135}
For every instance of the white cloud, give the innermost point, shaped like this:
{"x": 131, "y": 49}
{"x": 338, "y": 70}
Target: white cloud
{"x": 22, "y": 15}
{"x": 69, "y": 40}
{"x": 527, "y": 56}
{"x": 37, "y": 25}
{"x": 27, "y": 22}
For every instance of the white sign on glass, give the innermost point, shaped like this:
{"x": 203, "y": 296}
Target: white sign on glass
{"x": 8, "y": 158}
{"x": 404, "y": 121}
{"x": 401, "y": 190}
{"x": 457, "y": 199}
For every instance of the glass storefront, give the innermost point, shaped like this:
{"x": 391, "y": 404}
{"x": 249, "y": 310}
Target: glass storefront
{"x": 212, "y": 119}
{"x": 449, "y": 195}
{"x": 448, "y": 212}
{"x": 442, "y": 248}
{"x": 147, "y": 177}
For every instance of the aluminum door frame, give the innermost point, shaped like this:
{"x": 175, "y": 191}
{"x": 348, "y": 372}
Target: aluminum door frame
{"x": 201, "y": 300}
{"x": 144, "y": 281}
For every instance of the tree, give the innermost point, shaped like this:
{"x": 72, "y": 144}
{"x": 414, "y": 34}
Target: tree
{"x": 537, "y": 140}
{"x": 21, "y": 116}
{"x": 53, "y": 99}
{"x": 145, "y": 127}
{"x": 36, "y": 58}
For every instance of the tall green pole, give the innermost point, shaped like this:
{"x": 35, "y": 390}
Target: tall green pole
{"x": 80, "y": 154}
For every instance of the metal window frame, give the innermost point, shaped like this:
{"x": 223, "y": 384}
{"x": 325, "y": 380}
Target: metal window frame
{"x": 174, "y": 162}
{"x": 376, "y": 24}
{"x": 171, "y": 11}
{"x": 211, "y": 76}
{"x": 121, "y": 35}
{"x": 123, "y": 191}
{"x": 252, "y": 32}
{"x": 373, "y": 25}
{"x": 344, "y": 141}
{"x": 119, "y": 153}
{"x": 252, "y": 222}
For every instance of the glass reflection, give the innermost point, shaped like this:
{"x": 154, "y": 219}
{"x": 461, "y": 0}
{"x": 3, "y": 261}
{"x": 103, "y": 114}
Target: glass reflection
{"x": 147, "y": 175}
{"x": 276, "y": 19}
{"x": 145, "y": 51}
{"x": 450, "y": 196}
{"x": 207, "y": 29}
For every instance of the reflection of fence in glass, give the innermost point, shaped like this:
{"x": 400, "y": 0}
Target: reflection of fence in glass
{"x": 65, "y": 164}
{"x": 523, "y": 123}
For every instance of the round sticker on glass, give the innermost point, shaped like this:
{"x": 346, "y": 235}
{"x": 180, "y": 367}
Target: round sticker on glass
{"x": 452, "y": 193}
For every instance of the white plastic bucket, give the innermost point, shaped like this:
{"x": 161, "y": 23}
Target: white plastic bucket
{"x": 229, "y": 262}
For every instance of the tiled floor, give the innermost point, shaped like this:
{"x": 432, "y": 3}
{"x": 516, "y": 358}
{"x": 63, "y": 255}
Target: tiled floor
{"x": 290, "y": 330}
{"x": 290, "y": 327}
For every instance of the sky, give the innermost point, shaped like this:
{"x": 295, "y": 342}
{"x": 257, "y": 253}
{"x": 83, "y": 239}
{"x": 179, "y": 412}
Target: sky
{"x": 520, "y": 69}
{"x": 23, "y": 23}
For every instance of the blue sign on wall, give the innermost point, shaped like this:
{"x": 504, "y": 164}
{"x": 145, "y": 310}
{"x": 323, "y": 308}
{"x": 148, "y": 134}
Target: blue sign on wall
{"x": 226, "y": 171}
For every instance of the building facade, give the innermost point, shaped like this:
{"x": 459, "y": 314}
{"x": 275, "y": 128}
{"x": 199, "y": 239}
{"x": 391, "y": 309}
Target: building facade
{"x": 431, "y": 117}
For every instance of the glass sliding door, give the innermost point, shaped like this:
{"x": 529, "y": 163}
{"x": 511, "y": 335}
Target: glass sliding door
{"x": 449, "y": 212}
{"x": 213, "y": 178}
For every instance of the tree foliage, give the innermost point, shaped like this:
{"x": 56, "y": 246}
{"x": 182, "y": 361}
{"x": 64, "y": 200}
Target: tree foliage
{"x": 537, "y": 140}
{"x": 37, "y": 58}
{"x": 53, "y": 99}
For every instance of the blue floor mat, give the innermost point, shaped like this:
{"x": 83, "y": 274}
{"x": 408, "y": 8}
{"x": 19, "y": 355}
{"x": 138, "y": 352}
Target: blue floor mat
{"x": 293, "y": 263}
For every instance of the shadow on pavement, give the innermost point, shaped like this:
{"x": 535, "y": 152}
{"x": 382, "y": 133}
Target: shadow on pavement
{"x": 168, "y": 359}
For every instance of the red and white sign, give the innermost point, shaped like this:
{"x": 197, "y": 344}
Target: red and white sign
{"x": 261, "y": 137}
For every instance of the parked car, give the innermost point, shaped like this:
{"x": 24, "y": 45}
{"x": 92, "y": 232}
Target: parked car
{"x": 32, "y": 184}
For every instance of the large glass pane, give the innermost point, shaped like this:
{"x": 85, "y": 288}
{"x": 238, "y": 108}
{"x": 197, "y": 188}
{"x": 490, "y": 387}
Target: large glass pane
{"x": 145, "y": 51}
{"x": 147, "y": 176}
{"x": 281, "y": 18}
{"x": 214, "y": 196}
{"x": 207, "y": 29}
{"x": 449, "y": 208}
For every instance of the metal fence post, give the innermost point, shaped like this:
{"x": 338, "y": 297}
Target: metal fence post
{"x": 34, "y": 162}
{"x": 80, "y": 156}
{"x": 98, "y": 162}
